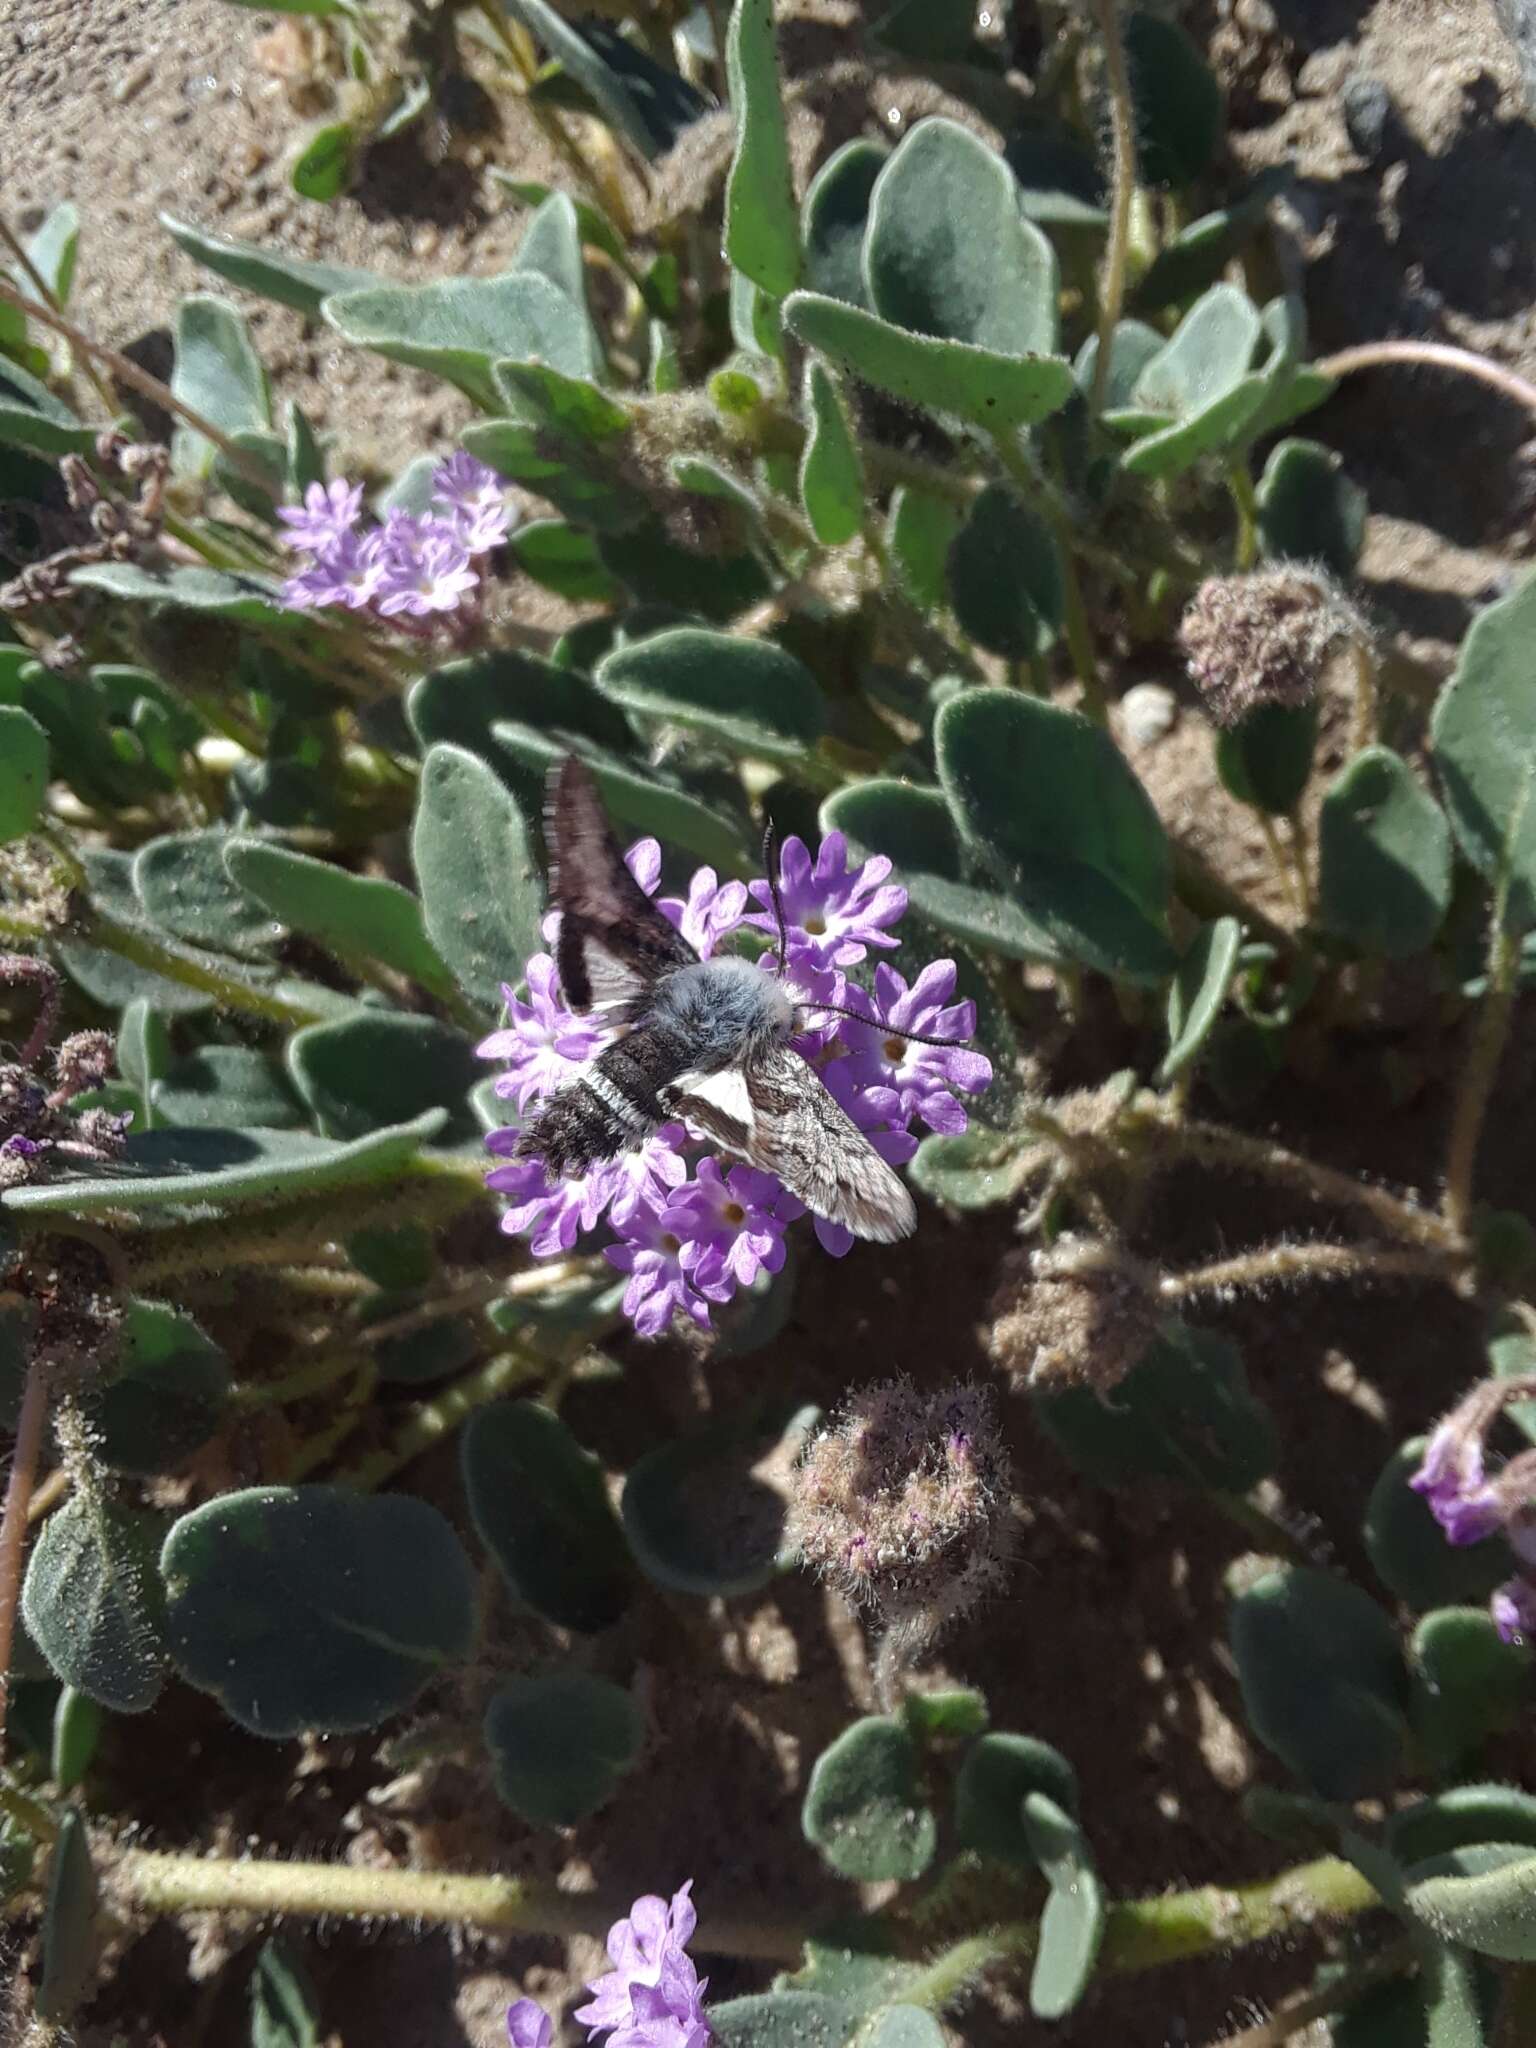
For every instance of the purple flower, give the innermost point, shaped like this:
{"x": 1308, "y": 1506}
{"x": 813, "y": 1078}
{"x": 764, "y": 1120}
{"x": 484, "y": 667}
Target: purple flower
{"x": 543, "y": 1042}
{"x": 832, "y": 912}
{"x": 712, "y": 911}
{"x": 326, "y": 517}
{"x": 529, "y": 2025}
{"x": 1513, "y": 1608}
{"x": 731, "y": 1226}
{"x": 658, "y": 1286}
{"x": 474, "y": 501}
{"x": 1452, "y": 1483}
{"x": 348, "y": 570}
{"x": 426, "y": 567}
{"x": 652, "y": 1997}
{"x": 924, "y": 1078}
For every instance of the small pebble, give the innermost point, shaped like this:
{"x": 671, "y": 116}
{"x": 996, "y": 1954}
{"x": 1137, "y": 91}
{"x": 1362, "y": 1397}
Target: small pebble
{"x": 1148, "y": 713}
{"x": 1367, "y": 108}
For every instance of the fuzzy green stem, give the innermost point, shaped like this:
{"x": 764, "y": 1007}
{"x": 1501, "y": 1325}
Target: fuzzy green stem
{"x": 438, "y": 1418}
{"x": 1141, "y": 1934}
{"x": 27, "y": 1812}
{"x": 1282, "y": 1265}
{"x": 13, "y": 1520}
{"x": 1122, "y": 189}
{"x": 1482, "y": 1067}
{"x": 1363, "y": 716}
{"x": 314, "y": 1451}
{"x": 1218, "y": 1145}
{"x": 1245, "y": 550}
{"x": 144, "y": 950}
{"x": 1266, "y": 1530}
{"x": 302, "y": 1384}
{"x": 1283, "y": 866}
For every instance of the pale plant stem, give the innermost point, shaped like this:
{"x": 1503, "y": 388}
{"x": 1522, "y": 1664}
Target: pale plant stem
{"x": 1363, "y": 716}
{"x": 1489, "y": 1037}
{"x": 47, "y": 1495}
{"x": 13, "y": 1521}
{"x": 1216, "y": 1144}
{"x": 50, "y": 297}
{"x": 1141, "y": 1934}
{"x": 314, "y": 1451}
{"x": 1283, "y": 866}
{"x": 1304, "y": 2007}
{"x": 129, "y": 373}
{"x": 27, "y": 1812}
{"x": 1282, "y": 1265}
{"x": 319, "y": 1375}
{"x": 144, "y": 950}
{"x": 605, "y": 195}
{"x": 478, "y": 1294}
{"x": 438, "y": 1418}
{"x": 1122, "y": 189}
{"x": 1369, "y": 355}
{"x": 1245, "y": 500}
{"x": 1296, "y": 848}
{"x": 1267, "y": 1530}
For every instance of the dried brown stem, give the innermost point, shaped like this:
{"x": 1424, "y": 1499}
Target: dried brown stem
{"x": 1368, "y": 355}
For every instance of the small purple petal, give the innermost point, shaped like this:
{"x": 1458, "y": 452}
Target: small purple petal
{"x": 529, "y": 2025}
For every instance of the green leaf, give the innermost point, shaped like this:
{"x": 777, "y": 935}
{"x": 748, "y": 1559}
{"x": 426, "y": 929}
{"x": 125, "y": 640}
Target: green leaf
{"x": 1384, "y": 857}
{"x": 940, "y": 31}
{"x": 570, "y": 406}
{"x": 1197, "y": 992}
{"x": 285, "y": 2013}
{"x": 460, "y": 328}
{"x": 831, "y": 475}
{"x": 228, "y": 1169}
{"x": 105, "y": 977}
{"x": 915, "y": 830}
{"x": 270, "y": 273}
{"x": 1197, "y": 255}
{"x": 957, "y": 1714}
{"x": 1309, "y": 511}
{"x": 640, "y": 800}
{"x": 864, "y": 1807}
{"x": 920, "y": 531}
{"x": 1072, "y": 1925}
{"x": 748, "y": 693}
{"x": 223, "y": 1086}
{"x": 242, "y": 598}
{"x": 659, "y": 571}
{"x": 785, "y": 2019}
{"x": 613, "y": 95}
{"x": 1322, "y": 1679}
{"x": 699, "y": 1516}
{"x": 1047, "y": 800}
{"x": 1005, "y": 579}
{"x": 310, "y": 1607}
{"x": 999, "y": 1773}
{"x": 559, "y": 1744}
{"x": 540, "y": 1506}
{"x": 993, "y": 391}
{"x": 976, "y": 1169}
{"x": 1468, "y": 1684}
{"x": 1484, "y": 1900}
{"x": 166, "y": 1396}
{"x": 563, "y": 558}
{"x": 69, "y": 1923}
{"x": 380, "y": 1068}
{"x": 1407, "y": 1546}
{"x": 462, "y": 700}
{"x": 834, "y": 217}
{"x": 1266, "y": 759}
{"x": 481, "y": 896}
{"x": 92, "y": 1603}
{"x": 762, "y": 231}
{"x": 1459, "y": 1818}
{"x": 218, "y": 373}
{"x": 185, "y": 888}
{"x": 322, "y": 165}
{"x": 23, "y": 772}
{"x": 551, "y": 248}
{"x": 143, "y": 1055}
{"x": 1176, "y": 98}
{"x": 948, "y": 252}
{"x": 1185, "y": 1412}
{"x": 359, "y": 918}
{"x": 578, "y": 478}
{"x": 76, "y": 1734}
{"x": 53, "y": 248}
{"x": 1197, "y": 393}
{"x": 1484, "y": 739}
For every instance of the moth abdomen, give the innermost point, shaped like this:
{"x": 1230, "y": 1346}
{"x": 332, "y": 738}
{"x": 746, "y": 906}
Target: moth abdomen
{"x": 611, "y": 1108}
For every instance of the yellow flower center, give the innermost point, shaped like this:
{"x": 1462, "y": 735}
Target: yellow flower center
{"x": 734, "y": 1213}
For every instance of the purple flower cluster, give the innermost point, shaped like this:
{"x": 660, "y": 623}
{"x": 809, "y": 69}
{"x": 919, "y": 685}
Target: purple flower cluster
{"x": 689, "y": 1228}
{"x": 409, "y": 567}
{"x": 1472, "y": 1504}
{"x": 651, "y": 1998}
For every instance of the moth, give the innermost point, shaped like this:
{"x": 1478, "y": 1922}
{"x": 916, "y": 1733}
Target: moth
{"x": 708, "y": 1040}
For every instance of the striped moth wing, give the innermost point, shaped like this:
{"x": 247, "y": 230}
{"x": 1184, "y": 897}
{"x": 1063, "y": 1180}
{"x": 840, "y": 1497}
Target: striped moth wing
{"x": 774, "y": 1112}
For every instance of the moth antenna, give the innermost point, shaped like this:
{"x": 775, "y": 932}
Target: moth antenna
{"x": 880, "y": 1024}
{"x": 771, "y": 864}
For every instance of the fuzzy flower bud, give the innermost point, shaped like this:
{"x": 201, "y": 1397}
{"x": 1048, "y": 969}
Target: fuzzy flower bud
{"x": 1265, "y": 638}
{"x": 1081, "y": 1314}
{"x": 84, "y": 1061}
{"x": 904, "y": 1503}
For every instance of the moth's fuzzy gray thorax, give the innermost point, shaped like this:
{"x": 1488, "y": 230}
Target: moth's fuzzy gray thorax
{"x": 723, "y": 1009}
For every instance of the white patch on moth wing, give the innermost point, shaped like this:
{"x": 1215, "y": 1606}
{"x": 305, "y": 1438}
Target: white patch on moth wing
{"x": 777, "y": 1114}
{"x": 629, "y": 1116}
